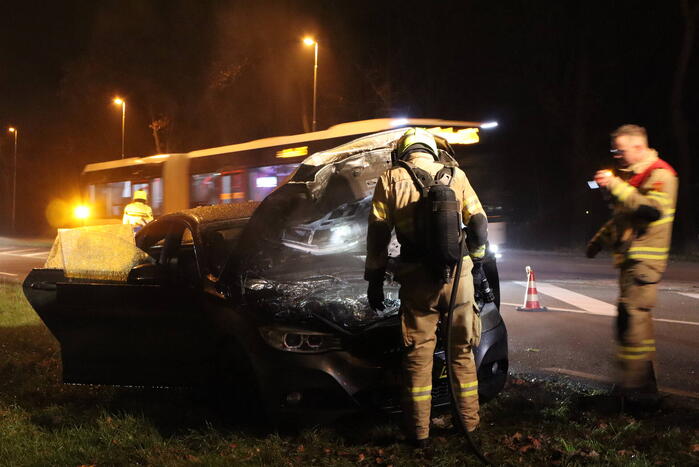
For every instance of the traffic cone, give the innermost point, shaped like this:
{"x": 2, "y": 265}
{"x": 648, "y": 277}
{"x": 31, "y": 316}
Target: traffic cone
{"x": 531, "y": 296}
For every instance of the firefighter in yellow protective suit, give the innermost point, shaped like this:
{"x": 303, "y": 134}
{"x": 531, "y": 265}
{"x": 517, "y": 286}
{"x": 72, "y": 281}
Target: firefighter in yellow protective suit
{"x": 639, "y": 233}
{"x": 138, "y": 213}
{"x": 424, "y": 297}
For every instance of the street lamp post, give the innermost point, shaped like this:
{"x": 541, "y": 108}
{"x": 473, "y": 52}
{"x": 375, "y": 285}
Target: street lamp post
{"x": 122, "y": 102}
{"x": 313, "y": 42}
{"x": 15, "y": 131}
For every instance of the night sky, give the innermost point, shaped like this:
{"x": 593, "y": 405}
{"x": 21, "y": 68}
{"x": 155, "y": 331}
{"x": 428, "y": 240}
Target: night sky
{"x": 557, "y": 76}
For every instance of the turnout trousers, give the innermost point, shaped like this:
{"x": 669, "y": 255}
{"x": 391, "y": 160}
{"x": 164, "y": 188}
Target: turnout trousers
{"x": 636, "y": 350}
{"x": 423, "y": 300}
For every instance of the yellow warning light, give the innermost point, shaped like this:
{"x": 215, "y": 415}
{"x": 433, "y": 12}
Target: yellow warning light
{"x": 293, "y": 152}
{"x": 81, "y": 212}
{"x": 463, "y": 136}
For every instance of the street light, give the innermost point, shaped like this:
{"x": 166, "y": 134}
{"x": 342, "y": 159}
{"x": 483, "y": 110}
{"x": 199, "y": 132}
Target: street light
{"x": 310, "y": 41}
{"x": 122, "y": 103}
{"x": 15, "y": 131}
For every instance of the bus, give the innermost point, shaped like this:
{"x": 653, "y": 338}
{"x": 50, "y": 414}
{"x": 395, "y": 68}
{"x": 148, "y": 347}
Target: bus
{"x": 244, "y": 172}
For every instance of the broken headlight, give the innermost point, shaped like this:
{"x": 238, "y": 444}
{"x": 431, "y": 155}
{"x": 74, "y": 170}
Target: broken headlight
{"x": 300, "y": 341}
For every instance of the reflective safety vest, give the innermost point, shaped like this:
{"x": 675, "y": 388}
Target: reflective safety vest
{"x": 137, "y": 213}
{"x": 640, "y": 229}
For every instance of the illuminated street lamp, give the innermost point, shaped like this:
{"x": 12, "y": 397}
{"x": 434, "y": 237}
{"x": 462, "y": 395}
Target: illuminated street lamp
{"x": 310, "y": 41}
{"x": 122, "y": 103}
{"x": 15, "y": 131}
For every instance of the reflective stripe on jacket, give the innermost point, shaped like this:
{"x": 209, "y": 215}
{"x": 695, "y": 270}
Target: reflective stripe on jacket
{"x": 394, "y": 202}
{"x": 632, "y": 236}
{"x": 137, "y": 213}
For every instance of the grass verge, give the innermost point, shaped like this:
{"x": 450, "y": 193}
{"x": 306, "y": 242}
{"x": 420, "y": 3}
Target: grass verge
{"x": 533, "y": 422}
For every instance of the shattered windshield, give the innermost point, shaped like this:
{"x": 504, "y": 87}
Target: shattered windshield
{"x": 302, "y": 253}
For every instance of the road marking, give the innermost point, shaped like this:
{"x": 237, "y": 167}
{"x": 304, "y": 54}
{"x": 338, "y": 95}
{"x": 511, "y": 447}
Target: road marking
{"x": 586, "y": 312}
{"x": 40, "y": 253}
{"x": 570, "y": 310}
{"x": 8, "y": 274}
{"x": 692, "y": 295}
{"x": 605, "y": 379}
{"x": 589, "y": 304}
{"x": 17, "y": 252}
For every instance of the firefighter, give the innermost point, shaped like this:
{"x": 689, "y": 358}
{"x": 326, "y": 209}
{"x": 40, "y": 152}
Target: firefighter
{"x": 138, "y": 213}
{"x": 639, "y": 234}
{"x": 422, "y": 294}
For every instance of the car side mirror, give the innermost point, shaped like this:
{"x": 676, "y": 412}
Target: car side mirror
{"x": 148, "y": 274}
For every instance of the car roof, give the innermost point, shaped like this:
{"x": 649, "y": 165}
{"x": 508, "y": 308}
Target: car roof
{"x": 216, "y": 213}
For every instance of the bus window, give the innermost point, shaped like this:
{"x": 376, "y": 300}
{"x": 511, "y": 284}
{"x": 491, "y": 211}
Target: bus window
{"x": 263, "y": 180}
{"x": 203, "y": 191}
{"x": 108, "y": 199}
{"x": 233, "y": 187}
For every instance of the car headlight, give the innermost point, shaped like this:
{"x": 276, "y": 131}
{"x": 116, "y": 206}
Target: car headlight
{"x": 341, "y": 234}
{"x": 494, "y": 248}
{"x": 490, "y": 317}
{"x": 300, "y": 341}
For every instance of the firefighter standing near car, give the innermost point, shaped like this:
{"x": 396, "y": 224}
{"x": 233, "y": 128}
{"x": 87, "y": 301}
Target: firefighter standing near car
{"x": 424, "y": 295}
{"x": 138, "y": 213}
{"x": 639, "y": 233}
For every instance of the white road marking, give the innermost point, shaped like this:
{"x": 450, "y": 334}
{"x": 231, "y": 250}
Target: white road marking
{"x": 8, "y": 274}
{"x": 17, "y": 252}
{"x": 570, "y": 310}
{"x": 605, "y": 379}
{"x": 580, "y": 300}
{"x": 589, "y": 304}
{"x": 37, "y": 254}
{"x": 688, "y": 294}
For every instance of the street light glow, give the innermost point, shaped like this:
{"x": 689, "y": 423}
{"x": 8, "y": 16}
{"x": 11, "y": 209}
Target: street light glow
{"x": 309, "y": 41}
{"x": 118, "y": 100}
{"x": 11, "y": 129}
{"x": 488, "y": 125}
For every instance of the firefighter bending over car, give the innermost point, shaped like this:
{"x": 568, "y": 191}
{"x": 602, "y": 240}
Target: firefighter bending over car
{"x": 644, "y": 196}
{"x": 138, "y": 213}
{"x": 399, "y": 202}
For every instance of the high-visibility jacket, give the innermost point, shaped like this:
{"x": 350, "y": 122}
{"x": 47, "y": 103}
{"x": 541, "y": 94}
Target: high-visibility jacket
{"x": 393, "y": 205}
{"x": 640, "y": 229}
{"x": 137, "y": 213}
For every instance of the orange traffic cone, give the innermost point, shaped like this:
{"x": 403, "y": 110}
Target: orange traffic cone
{"x": 531, "y": 297}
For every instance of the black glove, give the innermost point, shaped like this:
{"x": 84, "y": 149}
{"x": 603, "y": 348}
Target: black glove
{"x": 375, "y": 295}
{"x": 592, "y": 249}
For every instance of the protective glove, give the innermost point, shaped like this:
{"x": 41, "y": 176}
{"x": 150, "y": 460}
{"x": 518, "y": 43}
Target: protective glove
{"x": 592, "y": 249}
{"x": 375, "y": 295}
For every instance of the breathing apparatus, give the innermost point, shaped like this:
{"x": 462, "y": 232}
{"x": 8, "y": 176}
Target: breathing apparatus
{"x": 438, "y": 228}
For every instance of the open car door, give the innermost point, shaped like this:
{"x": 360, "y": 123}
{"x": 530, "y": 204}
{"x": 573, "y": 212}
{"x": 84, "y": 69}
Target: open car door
{"x": 149, "y": 330}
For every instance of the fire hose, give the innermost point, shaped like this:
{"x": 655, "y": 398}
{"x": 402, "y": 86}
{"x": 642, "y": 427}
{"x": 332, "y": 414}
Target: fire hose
{"x": 450, "y": 370}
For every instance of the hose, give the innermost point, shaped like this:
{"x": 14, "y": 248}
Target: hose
{"x": 450, "y": 370}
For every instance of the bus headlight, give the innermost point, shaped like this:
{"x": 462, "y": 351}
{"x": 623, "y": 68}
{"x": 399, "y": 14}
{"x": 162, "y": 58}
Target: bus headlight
{"x": 81, "y": 212}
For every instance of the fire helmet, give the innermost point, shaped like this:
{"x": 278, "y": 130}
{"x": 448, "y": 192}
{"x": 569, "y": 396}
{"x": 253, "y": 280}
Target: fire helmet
{"x": 415, "y": 136}
{"x": 140, "y": 194}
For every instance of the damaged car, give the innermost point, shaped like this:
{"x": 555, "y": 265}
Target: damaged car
{"x": 266, "y": 304}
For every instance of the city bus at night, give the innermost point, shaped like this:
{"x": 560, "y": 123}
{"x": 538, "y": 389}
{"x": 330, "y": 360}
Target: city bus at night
{"x": 235, "y": 173}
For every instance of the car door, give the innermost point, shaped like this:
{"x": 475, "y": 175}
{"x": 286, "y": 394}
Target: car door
{"x": 142, "y": 332}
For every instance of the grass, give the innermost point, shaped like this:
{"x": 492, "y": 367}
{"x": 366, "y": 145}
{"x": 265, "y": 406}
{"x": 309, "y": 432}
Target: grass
{"x": 533, "y": 422}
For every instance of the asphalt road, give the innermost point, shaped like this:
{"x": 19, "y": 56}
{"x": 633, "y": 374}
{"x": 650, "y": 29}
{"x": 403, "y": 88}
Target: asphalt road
{"x": 576, "y": 335}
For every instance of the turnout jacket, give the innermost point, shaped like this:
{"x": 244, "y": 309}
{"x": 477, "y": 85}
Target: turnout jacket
{"x": 137, "y": 213}
{"x": 640, "y": 229}
{"x": 393, "y": 206}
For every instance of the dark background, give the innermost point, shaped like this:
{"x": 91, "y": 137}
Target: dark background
{"x": 557, "y": 76}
